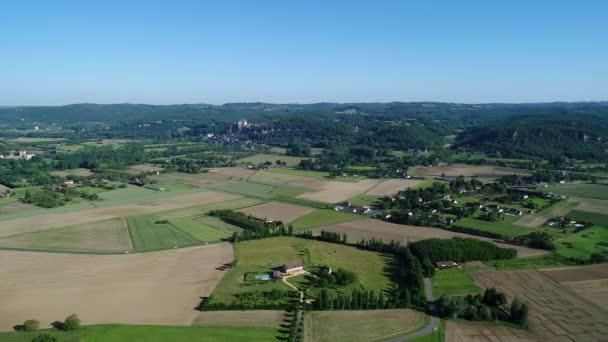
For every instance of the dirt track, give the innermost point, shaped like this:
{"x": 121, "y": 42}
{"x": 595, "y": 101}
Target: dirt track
{"x": 63, "y": 219}
{"x": 370, "y": 228}
{"x": 150, "y": 288}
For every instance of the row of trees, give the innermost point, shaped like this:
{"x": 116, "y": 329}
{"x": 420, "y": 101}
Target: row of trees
{"x": 253, "y": 228}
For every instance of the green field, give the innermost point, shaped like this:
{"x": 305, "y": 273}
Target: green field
{"x": 363, "y": 200}
{"x": 321, "y": 217}
{"x": 504, "y": 227}
{"x": 288, "y": 192}
{"x": 599, "y": 191}
{"x": 199, "y": 230}
{"x": 304, "y": 173}
{"x": 148, "y": 235}
{"x": 583, "y": 243}
{"x": 220, "y": 225}
{"x": 262, "y": 158}
{"x": 245, "y": 188}
{"x": 262, "y": 255}
{"x": 37, "y": 140}
{"x": 453, "y": 282}
{"x": 584, "y": 216}
{"x": 151, "y": 333}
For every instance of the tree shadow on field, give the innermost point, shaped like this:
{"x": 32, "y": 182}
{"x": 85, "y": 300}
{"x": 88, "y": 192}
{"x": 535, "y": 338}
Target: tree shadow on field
{"x": 58, "y": 325}
{"x": 392, "y": 270}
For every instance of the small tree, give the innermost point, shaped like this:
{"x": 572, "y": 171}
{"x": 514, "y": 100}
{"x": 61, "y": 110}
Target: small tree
{"x": 72, "y": 322}
{"x": 44, "y": 338}
{"x": 519, "y": 312}
{"x": 30, "y": 325}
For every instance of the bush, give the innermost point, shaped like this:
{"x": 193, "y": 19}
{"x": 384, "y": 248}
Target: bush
{"x": 30, "y": 325}
{"x": 72, "y": 322}
{"x": 44, "y": 338}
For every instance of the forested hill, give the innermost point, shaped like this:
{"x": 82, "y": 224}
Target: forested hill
{"x": 577, "y": 136}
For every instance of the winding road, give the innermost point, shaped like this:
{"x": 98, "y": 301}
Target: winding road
{"x": 427, "y": 329}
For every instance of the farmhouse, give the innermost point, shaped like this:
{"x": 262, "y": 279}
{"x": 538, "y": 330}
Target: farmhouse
{"x": 445, "y": 264}
{"x": 292, "y": 267}
{"x": 352, "y": 209}
{"x": 494, "y": 207}
{"x": 513, "y": 212}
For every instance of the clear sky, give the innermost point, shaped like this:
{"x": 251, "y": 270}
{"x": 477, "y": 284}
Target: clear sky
{"x": 161, "y": 52}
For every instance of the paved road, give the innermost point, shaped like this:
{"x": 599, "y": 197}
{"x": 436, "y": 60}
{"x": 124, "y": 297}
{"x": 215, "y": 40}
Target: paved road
{"x": 427, "y": 329}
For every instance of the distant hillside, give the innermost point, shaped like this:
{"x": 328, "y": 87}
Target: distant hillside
{"x": 576, "y": 136}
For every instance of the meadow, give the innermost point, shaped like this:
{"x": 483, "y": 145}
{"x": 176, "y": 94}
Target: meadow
{"x": 453, "y": 282}
{"x": 148, "y": 233}
{"x": 582, "y": 244}
{"x": 245, "y": 188}
{"x": 503, "y": 227}
{"x": 584, "y": 216}
{"x": 321, "y": 217}
{"x": 199, "y": 230}
{"x": 599, "y": 191}
{"x": 151, "y": 333}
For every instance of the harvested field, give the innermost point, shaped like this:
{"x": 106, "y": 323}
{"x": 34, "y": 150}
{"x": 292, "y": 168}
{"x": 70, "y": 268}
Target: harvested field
{"x": 333, "y": 192}
{"x": 205, "y": 208}
{"x": 595, "y": 291}
{"x": 136, "y": 169}
{"x": 358, "y": 325}
{"x": 220, "y": 225}
{"x": 63, "y": 219}
{"x": 556, "y": 313}
{"x": 252, "y": 318}
{"x": 73, "y": 172}
{"x": 232, "y": 173}
{"x": 277, "y": 211}
{"x": 592, "y": 205}
{"x": 103, "y": 236}
{"x": 468, "y": 171}
{"x": 15, "y": 207}
{"x": 370, "y": 228}
{"x": 37, "y": 140}
{"x": 531, "y": 221}
{"x": 276, "y": 178}
{"x": 262, "y": 158}
{"x": 392, "y": 186}
{"x": 152, "y": 288}
{"x": 244, "y": 188}
{"x": 566, "y": 274}
{"x": 465, "y": 331}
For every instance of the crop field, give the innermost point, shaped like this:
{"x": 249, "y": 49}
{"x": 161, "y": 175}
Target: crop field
{"x": 101, "y": 236}
{"x": 69, "y": 217}
{"x": 240, "y": 202}
{"x": 453, "y": 282}
{"x": 73, "y": 172}
{"x": 322, "y": 175}
{"x": 149, "y": 288}
{"x": 503, "y": 227}
{"x": 583, "y": 243}
{"x": 149, "y": 234}
{"x": 321, "y": 217}
{"x": 152, "y": 333}
{"x": 595, "y": 218}
{"x": 592, "y": 205}
{"x": 468, "y": 171}
{"x": 599, "y": 191}
{"x": 218, "y": 224}
{"x": 392, "y": 186}
{"x": 589, "y": 282}
{"x": 250, "y": 318}
{"x": 335, "y": 191}
{"x": 262, "y": 158}
{"x": 134, "y": 194}
{"x": 556, "y": 313}
{"x": 136, "y": 169}
{"x": 199, "y": 230}
{"x": 244, "y": 188}
{"x": 289, "y": 192}
{"x": 371, "y": 228}
{"x": 277, "y": 211}
{"x": 37, "y": 140}
{"x": 263, "y": 255}
{"x": 361, "y": 326}
{"x": 466, "y": 331}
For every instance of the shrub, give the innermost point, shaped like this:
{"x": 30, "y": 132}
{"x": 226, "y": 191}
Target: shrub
{"x": 30, "y": 325}
{"x": 72, "y": 322}
{"x": 44, "y": 338}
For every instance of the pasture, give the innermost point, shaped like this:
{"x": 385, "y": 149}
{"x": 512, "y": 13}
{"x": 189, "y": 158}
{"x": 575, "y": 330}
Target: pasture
{"x": 244, "y": 188}
{"x": 101, "y": 236}
{"x": 148, "y": 233}
{"x": 321, "y": 217}
{"x": 262, "y": 255}
{"x": 595, "y": 218}
{"x": 73, "y": 172}
{"x": 599, "y": 191}
{"x": 322, "y": 175}
{"x": 371, "y": 228}
{"x": 199, "y": 230}
{"x": 152, "y": 333}
{"x": 361, "y": 326}
{"x": 149, "y": 288}
{"x": 591, "y": 205}
{"x": 277, "y": 211}
{"x": 262, "y": 158}
{"x": 504, "y": 227}
{"x": 589, "y": 282}
{"x": 453, "y": 282}
{"x": 582, "y": 244}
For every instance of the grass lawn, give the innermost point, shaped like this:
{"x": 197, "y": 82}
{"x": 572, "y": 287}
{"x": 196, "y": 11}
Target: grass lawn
{"x": 262, "y": 158}
{"x": 504, "y": 227}
{"x": 583, "y": 243}
{"x": 321, "y": 217}
{"x": 263, "y": 255}
{"x": 288, "y": 192}
{"x": 453, "y": 281}
{"x": 580, "y": 190}
{"x": 245, "y": 188}
{"x": 151, "y": 333}
{"x": 199, "y": 230}
{"x": 147, "y": 235}
{"x": 595, "y": 218}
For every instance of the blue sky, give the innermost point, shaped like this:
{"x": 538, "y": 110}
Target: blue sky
{"x": 160, "y": 52}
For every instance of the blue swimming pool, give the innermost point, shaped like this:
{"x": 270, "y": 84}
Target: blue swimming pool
{"x": 262, "y": 277}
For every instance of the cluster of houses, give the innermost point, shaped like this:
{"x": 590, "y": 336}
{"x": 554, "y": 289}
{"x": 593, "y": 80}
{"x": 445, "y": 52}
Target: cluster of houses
{"x": 23, "y": 155}
{"x": 563, "y": 222}
{"x": 66, "y": 183}
{"x": 347, "y": 207}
